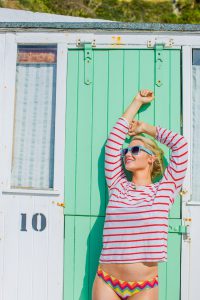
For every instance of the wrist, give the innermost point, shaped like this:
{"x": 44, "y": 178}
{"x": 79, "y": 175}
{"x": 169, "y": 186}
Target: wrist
{"x": 144, "y": 127}
{"x": 137, "y": 101}
{"x": 149, "y": 129}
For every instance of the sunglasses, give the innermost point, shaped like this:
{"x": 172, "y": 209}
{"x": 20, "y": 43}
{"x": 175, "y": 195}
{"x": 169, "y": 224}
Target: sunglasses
{"x": 135, "y": 150}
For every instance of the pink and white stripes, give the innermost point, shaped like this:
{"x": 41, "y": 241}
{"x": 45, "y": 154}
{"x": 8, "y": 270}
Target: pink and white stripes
{"x": 136, "y": 222}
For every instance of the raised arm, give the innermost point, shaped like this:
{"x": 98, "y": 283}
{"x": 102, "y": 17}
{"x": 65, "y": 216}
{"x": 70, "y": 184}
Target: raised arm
{"x": 113, "y": 163}
{"x": 176, "y": 170}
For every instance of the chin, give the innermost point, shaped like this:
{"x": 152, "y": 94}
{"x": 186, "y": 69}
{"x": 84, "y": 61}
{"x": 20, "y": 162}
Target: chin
{"x": 130, "y": 169}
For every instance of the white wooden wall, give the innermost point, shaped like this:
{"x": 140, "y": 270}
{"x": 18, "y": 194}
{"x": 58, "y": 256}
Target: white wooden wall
{"x": 31, "y": 259}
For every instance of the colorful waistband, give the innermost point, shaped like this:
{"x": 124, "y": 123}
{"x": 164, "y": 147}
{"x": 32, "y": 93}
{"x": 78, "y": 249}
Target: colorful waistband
{"x": 100, "y": 270}
{"x": 126, "y": 288}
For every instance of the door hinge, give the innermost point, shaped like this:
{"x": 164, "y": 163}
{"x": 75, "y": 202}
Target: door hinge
{"x": 88, "y": 59}
{"x": 159, "y": 63}
{"x": 88, "y": 68}
{"x": 159, "y": 45}
{"x": 168, "y": 43}
{"x": 81, "y": 44}
{"x": 183, "y": 229}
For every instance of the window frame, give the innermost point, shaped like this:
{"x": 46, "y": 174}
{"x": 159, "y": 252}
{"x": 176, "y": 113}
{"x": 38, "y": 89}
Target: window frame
{"x": 8, "y": 102}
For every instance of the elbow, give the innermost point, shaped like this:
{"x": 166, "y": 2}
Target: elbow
{"x": 185, "y": 144}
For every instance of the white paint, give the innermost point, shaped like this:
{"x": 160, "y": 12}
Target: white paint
{"x": 186, "y": 275}
{"x": 113, "y": 39}
{"x": 2, "y": 221}
{"x": 193, "y": 262}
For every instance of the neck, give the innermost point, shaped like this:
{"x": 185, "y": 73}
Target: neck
{"x": 139, "y": 178}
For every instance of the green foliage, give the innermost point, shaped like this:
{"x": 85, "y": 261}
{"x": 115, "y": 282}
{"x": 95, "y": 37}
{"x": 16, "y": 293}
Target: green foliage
{"x": 190, "y": 11}
{"x": 136, "y": 11}
{"x": 35, "y": 5}
{"x": 183, "y": 11}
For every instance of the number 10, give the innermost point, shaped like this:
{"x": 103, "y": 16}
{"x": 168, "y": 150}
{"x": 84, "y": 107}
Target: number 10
{"x": 35, "y": 222}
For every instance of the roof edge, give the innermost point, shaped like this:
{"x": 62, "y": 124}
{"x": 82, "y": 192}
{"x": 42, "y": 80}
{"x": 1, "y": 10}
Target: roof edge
{"x": 102, "y": 25}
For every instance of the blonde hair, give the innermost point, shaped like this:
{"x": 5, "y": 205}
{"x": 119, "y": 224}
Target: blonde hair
{"x": 158, "y": 165}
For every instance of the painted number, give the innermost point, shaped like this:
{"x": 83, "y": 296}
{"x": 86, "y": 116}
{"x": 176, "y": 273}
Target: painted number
{"x": 38, "y": 222}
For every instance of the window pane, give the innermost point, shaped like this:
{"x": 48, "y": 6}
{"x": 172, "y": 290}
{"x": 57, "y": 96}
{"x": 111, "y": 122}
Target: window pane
{"x": 34, "y": 124}
{"x": 195, "y": 124}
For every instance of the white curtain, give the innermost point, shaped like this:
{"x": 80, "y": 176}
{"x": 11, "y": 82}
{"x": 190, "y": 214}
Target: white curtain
{"x": 195, "y": 130}
{"x": 34, "y": 126}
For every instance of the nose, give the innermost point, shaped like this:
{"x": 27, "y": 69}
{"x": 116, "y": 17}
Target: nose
{"x": 128, "y": 153}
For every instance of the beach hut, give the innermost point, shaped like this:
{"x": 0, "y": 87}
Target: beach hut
{"x": 64, "y": 81}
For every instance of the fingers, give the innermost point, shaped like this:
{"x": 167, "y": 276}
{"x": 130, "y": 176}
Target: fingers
{"x": 146, "y": 93}
{"x": 132, "y": 127}
{"x": 130, "y": 133}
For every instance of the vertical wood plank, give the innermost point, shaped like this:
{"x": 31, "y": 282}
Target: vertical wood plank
{"x": 174, "y": 263}
{"x": 175, "y": 112}
{"x": 95, "y": 237}
{"x": 146, "y": 75}
{"x": 69, "y": 258}
{"x": 115, "y": 87}
{"x": 83, "y": 142}
{"x": 131, "y": 77}
{"x": 99, "y": 195}
{"x": 82, "y": 253}
{"x": 71, "y": 131}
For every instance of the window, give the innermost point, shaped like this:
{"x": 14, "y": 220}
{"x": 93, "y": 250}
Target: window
{"x": 34, "y": 121}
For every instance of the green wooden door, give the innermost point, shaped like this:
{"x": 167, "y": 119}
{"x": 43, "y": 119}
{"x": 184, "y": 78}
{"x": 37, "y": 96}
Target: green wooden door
{"x": 91, "y": 111}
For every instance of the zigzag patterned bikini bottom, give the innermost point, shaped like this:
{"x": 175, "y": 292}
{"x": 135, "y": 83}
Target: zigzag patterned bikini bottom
{"x": 125, "y": 289}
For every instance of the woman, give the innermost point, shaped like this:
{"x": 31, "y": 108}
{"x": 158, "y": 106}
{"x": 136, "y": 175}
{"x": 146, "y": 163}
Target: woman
{"x": 136, "y": 223}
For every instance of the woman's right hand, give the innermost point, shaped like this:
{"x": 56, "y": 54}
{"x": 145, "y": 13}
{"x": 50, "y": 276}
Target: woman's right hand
{"x": 136, "y": 127}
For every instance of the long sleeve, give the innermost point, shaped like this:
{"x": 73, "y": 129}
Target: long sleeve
{"x": 113, "y": 163}
{"x": 176, "y": 170}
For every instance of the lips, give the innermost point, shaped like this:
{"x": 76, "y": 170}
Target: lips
{"x": 129, "y": 160}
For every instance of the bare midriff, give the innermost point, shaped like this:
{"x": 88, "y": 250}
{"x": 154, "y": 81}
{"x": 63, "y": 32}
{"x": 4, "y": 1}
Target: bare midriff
{"x": 131, "y": 271}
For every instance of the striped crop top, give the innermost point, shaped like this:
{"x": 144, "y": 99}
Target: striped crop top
{"x": 136, "y": 221}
